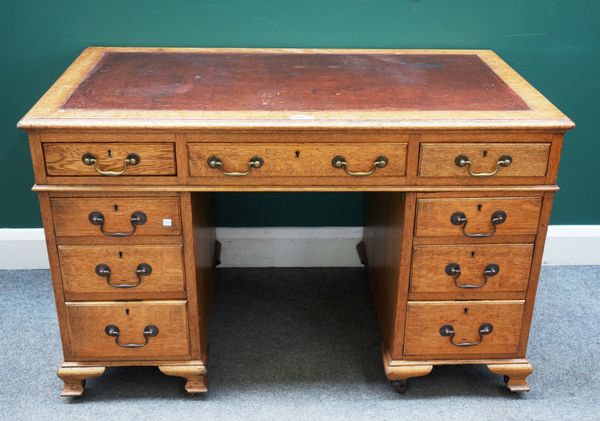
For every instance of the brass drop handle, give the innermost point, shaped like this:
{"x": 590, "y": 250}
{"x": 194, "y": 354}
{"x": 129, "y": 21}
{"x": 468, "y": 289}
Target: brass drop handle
{"x": 453, "y": 269}
{"x": 215, "y": 162}
{"x": 149, "y": 332}
{"x": 339, "y": 161}
{"x": 132, "y": 159}
{"x": 463, "y": 161}
{"x": 143, "y": 269}
{"x": 137, "y": 218}
{"x": 459, "y": 218}
{"x": 448, "y": 330}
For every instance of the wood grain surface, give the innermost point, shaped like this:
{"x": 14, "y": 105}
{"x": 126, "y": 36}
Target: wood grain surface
{"x": 65, "y": 159}
{"x": 433, "y": 216}
{"x": 71, "y": 216}
{"x": 282, "y": 160}
{"x": 528, "y": 160}
{"x": 429, "y": 278}
{"x": 87, "y": 321}
{"x": 424, "y": 320}
{"x": 81, "y": 282}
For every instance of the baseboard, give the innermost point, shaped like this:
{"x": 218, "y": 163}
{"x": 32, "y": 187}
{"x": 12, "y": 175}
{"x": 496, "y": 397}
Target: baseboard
{"x": 301, "y": 247}
{"x": 289, "y": 247}
{"x": 572, "y": 245}
{"x": 23, "y": 248}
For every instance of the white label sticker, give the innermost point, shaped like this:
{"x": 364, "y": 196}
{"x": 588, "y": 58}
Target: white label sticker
{"x": 167, "y": 222}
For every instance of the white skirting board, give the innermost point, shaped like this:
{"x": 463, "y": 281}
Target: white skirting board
{"x": 301, "y": 247}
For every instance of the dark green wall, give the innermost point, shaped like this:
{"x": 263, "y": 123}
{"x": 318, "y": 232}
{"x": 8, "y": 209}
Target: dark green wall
{"x": 554, "y": 44}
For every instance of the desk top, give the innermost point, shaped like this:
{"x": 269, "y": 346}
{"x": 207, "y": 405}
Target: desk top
{"x": 220, "y": 88}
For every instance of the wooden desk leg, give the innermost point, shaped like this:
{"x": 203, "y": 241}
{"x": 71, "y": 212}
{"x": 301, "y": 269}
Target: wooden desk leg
{"x": 362, "y": 253}
{"x": 217, "y": 254}
{"x": 514, "y": 375}
{"x": 74, "y": 378}
{"x": 399, "y": 374}
{"x": 194, "y": 374}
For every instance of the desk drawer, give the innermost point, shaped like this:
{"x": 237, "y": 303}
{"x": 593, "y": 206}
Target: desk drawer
{"x": 115, "y": 217}
{"x": 128, "y": 330}
{"x": 484, "y": 160}
{"x": 459, "y": 271}
{"x": 303, "y": 160}
{"x": 477, "y": 217}
{"x": 109, "y": 159}
{"x": 121, "y": 272}
{"x": 465, "y": 328}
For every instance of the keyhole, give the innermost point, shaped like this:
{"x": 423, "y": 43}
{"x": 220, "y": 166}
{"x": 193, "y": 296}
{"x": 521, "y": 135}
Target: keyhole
{"x": 110, "y": 153}
{"x": 127, "y": 311}
{"x": 297, "y": 153}
{"x": 116, "y": 208}
{"x": 484, "y": 154}
{"x": 478, "y": 208}
{"x": 465, "y": 310}
{"x": 472, "y": 254}
{"x": 120, "y": 255}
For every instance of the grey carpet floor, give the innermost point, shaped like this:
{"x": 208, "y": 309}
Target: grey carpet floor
{"x": 304, "y": 344}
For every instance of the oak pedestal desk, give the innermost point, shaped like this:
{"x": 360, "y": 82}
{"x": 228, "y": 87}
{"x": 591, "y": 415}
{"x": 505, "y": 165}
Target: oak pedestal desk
{"x": 457, "y": 153}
